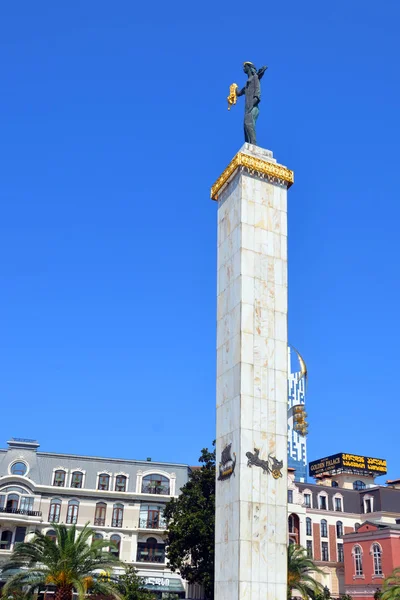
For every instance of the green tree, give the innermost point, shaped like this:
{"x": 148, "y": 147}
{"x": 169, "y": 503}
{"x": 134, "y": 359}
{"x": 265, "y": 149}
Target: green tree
{"x": 131, "y": 587}
{"x": 190, "y": 526}
{"x": 301, "y": 571}
{"x": 391, "y": 586}
{"x": 377, "y": 594}
{"x": 68, "y": 563}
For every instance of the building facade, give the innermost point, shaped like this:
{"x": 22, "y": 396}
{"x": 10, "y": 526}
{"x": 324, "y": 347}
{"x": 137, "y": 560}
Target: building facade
{"x": 297, "y": 426}
{"x": 122, "y": 500}
{"x": 370, "y": 554}
{"x": 325, "y": 517}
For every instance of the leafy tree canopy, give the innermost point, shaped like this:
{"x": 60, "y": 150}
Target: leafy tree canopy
{"x": 190, "y": 523}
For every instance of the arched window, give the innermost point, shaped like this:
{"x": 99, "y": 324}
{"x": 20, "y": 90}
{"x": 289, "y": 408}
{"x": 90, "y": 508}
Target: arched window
{"x": 104, "y": 482}
{"x": 339, "y": 529}
{"x": 72, "y": 512}
{"x": 100, "y": 514}
{"x": 356, "y": 526}
{"x": 155, "y": 484}
{"x": 324, "y": 528}
{"x": 59, "y": 478}
{"x": 358, "y": 560}
{"x": 377, "y": 556}
{"x": 52, "y": 535}
{"x": 54, "y": 511}
{"x": 291, "y": 523}
{"x": 77, "y": 479}
{"x": 308, "y": 526}
{"x": 97, "y": 537}
{"x": 359, "y": 485}
{"x": 115, "y": 549}
{"x": 6, "y": 539}
{"x": 118, "y": 515}
{"x": 19, "y": 468}
{"x": 335, "y": 484}
{"x": 12, "y": 503}
{"x": 120, "y": 483}
{"x": 151, "y": 551}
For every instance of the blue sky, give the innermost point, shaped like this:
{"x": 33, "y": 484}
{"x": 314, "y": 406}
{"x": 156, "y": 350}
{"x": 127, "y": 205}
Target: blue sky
{"x": 113, "y": 128}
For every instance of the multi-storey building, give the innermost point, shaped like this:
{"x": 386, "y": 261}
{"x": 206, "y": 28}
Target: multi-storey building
{"x": 297, "y": 426}
{"x": 325, "y": 515}
{"x": 122, "y": 500}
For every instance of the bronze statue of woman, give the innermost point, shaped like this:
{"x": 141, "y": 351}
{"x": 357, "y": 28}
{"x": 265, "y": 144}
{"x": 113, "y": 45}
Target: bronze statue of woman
{"x": 252, "y": 91}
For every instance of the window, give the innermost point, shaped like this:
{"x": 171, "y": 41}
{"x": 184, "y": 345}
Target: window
{"x": 104, "y": 482}
{"x": 356, "y": 526}
{"x": 155, "y": 484}
{"x": 359, "y": 485}
{"x": 118, "y": 515}
{"x": 12, "y": 503}
{"x": 309, "y": 549}
{"x": 290, "y": 496}
{"x": 6, "y": 539}
{"x": 335, "y": 484}
{"x": 322, "y": 502}
{"x": 59, "y": 478}
{"x": 291, "y": 524}
{"x": 307, "y": 500}
{"x": 308, "y": 526}
{"x": 367, "y": 505}
{"x": 20, "y": 534}
{"x": 357, "y": 560}
{"x": 151, "y": 517}
{"x": 324, "y": 528}
{"x": 52, "y": 535}
{"x": 97, "y": 537}
{"x": 19, "y": 468}
{"x": 377, "y": 556}
{"x": 338, "y": 504}
{"x": 54, "y": 512}
{"x": 151, "y": 551}
{"x": 77, "y": 479}
{"x": 340, "y": 553}
{"x": 2, "y": 501}
{"x": 26, "y": 505}
{"x": 116, "y": 539}
{"x": 120, "y": 483}
{"x": 325, "y": 551}
{"x": 100, "y": 514}
{"x": 339, "y": 529}
{"x": 72, "y": 512}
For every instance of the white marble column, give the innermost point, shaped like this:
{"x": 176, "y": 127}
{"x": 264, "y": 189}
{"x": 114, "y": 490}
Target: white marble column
{"x": 251, "y": 505}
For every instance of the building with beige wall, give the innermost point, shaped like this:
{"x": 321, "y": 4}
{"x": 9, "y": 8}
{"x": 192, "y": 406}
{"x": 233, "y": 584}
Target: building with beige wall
{"x": 322, "y": 514}
{"x": 122, "y": 500}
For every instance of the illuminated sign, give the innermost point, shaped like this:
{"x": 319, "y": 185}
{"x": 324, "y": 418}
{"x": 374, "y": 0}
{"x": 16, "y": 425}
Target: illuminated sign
{"x": 348, "y": 462}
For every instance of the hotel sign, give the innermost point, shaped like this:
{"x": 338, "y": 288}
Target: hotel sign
{"x": 348, "y": 462}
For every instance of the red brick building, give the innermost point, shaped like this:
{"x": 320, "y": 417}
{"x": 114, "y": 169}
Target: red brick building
{"x": 370, "y": 554}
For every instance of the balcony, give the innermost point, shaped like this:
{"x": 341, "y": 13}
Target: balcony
{"x": 116, "y": 523}
{"x": 99, "y": 521}
{"x": 152, "y": 524}
{"x": 21, "y": 511}
{"x": 150, "y": 558}
{"x": 153, "y": 487}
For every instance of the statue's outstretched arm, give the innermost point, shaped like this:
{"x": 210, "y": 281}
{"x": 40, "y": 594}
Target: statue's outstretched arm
{"x": 240, "y": 92}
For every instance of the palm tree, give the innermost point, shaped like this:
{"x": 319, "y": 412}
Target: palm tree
{"x": 68, "y": 562}
{"x": 391, "y": 586}
{"x": 301, "y": 569}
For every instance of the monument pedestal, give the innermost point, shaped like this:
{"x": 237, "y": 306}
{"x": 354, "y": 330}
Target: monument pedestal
{"x": 251, "y": 491}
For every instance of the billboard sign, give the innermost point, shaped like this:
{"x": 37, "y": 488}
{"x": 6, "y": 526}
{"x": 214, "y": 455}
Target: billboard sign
{"x": 348, "y": 462}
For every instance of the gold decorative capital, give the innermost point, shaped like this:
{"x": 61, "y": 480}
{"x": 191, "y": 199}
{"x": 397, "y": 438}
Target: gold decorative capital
{"x": 262, "y": 167}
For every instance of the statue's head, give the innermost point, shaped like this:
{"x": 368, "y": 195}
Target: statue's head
{"x": 249, "y": 68}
